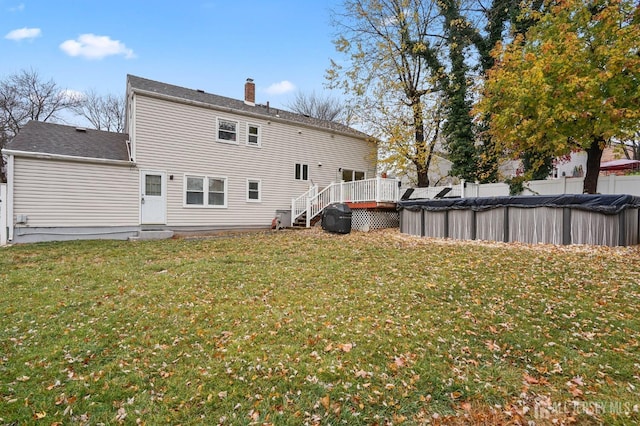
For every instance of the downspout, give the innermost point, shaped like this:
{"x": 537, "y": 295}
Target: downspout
{"x": 132, "y": 128}
{"x": 10, "y": 175}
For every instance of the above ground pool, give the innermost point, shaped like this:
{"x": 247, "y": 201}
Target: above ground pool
{"x": 611, "y": 220}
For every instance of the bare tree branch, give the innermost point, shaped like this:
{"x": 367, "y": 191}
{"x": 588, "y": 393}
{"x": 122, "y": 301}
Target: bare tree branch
{"x": 25, "y": 96}
{"x": 321, "y": 107}
{"x": 103, "y": 112}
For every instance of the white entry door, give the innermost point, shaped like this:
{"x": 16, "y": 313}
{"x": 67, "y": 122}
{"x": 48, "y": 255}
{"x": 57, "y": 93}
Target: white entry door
{"x": 153, "y": 198}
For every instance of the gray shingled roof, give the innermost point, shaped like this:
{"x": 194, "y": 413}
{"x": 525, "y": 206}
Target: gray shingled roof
{"x": 50, "y": 138}
{"x": 143, "y": 84}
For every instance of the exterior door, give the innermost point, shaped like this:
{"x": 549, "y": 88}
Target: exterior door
{"x": 153, "y": 198}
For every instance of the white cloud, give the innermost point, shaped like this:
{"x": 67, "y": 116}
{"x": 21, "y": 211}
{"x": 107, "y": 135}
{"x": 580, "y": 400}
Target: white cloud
{"x": 72, "y": 95}
{"x": 280, "y": 88}
{"x": 92, "y": 46}
{"x": 23, "y": 33}
{"x": 18, "y": 8}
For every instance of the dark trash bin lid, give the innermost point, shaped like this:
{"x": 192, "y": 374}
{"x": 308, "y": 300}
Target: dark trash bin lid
{"x": 339, "y": 207}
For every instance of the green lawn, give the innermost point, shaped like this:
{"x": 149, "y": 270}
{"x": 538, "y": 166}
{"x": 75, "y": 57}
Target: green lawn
{"x": 307, "y": 327}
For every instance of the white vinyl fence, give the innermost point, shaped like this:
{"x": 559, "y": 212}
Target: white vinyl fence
{"x": 611, "y": 184}
{"x": 4, "y": 226}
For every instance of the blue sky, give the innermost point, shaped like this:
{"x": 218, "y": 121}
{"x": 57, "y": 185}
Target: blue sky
{"x": 213, "y": 45}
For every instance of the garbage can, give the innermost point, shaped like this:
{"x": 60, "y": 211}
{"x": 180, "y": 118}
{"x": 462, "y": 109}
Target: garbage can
{"x": 337, "y": 218}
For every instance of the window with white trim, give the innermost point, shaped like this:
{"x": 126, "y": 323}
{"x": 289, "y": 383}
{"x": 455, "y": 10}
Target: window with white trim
{"x": 205, "y": 191}
{"x": 254, "y": 188}
{"x": 253, "y": 135}
{"x": 227, "y": 130}
{"x": 217, "y": 192}
{"x": 302, "y": 171}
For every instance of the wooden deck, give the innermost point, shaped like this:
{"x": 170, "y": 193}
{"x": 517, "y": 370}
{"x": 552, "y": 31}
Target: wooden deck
{"x": 371, "y": 205}
{"x": 370, "y": 194}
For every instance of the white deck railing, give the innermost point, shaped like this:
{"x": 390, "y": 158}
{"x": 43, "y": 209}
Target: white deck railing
{"x": 312, "y": 202}
{"x": 301, "y": 204}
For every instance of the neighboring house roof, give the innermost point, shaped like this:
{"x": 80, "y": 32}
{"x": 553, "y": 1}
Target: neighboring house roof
{"x": 620, "y": 165}
{"x": 191, "y": 95}
{"x": 57, "y": 139}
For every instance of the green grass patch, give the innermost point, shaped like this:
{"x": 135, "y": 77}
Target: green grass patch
{"x": 308, "y": 327}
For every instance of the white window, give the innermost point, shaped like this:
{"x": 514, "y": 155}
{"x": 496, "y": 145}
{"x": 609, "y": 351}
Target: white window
{"x": 253, "y": 135}
{"x": 302, "y": 171}
{"x": 217, "y": 192}
{"x": 195, "y": 191}
{"x": 254, "y": 188}
{"x": 227, "y": 130}
{"x": 205, "y": 191}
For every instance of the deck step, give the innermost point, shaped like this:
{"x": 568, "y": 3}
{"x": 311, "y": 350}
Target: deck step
{"x": 301, "y": 221}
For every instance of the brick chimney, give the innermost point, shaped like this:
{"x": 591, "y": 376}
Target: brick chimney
{"x": 250, "y": 92}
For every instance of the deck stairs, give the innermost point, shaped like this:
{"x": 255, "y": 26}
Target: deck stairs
{"x": 306, "y": 210}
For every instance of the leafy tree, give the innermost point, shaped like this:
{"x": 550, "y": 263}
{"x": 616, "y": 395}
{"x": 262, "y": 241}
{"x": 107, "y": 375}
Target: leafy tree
{"x": 572, "y": 83}
{"x": 458, "y": 128}
{"x": 386, "y": 79}
{"x": 104, "y": 112}
{"x": 470, "y": 25}
{"x": 466, "y": 31}
{"x": 25, "y": 96}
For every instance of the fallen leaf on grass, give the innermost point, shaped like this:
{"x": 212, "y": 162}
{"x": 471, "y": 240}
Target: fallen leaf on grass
{"x": 575, "y": 391}
{"x": 325, "y": 401}
{"x": 363, "y": 374}
{"x": 530, "y": 379}
{"x": 492, "y": 346}
{"x": 121, "y": 414}
{"x": 578, "y": 381}
{"x": 346, "y": 347}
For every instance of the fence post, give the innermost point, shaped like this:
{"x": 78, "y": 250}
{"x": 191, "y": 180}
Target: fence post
{"x": 378, "y": 188}
{"x": 462, "y": 194}
{"x": 341, "y": 192}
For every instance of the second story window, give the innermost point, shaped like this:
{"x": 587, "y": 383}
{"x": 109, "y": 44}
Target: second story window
{"x": 227, "y": 130}
{"x": 253, "y": 135}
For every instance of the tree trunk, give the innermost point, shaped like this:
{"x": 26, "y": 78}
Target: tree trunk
{"x": 422, "y": 167}
{"x": 423, "y": 176}
{"x": 594, "y": 155}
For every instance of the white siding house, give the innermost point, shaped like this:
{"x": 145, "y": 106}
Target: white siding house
{"x": 190, "y": 161}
